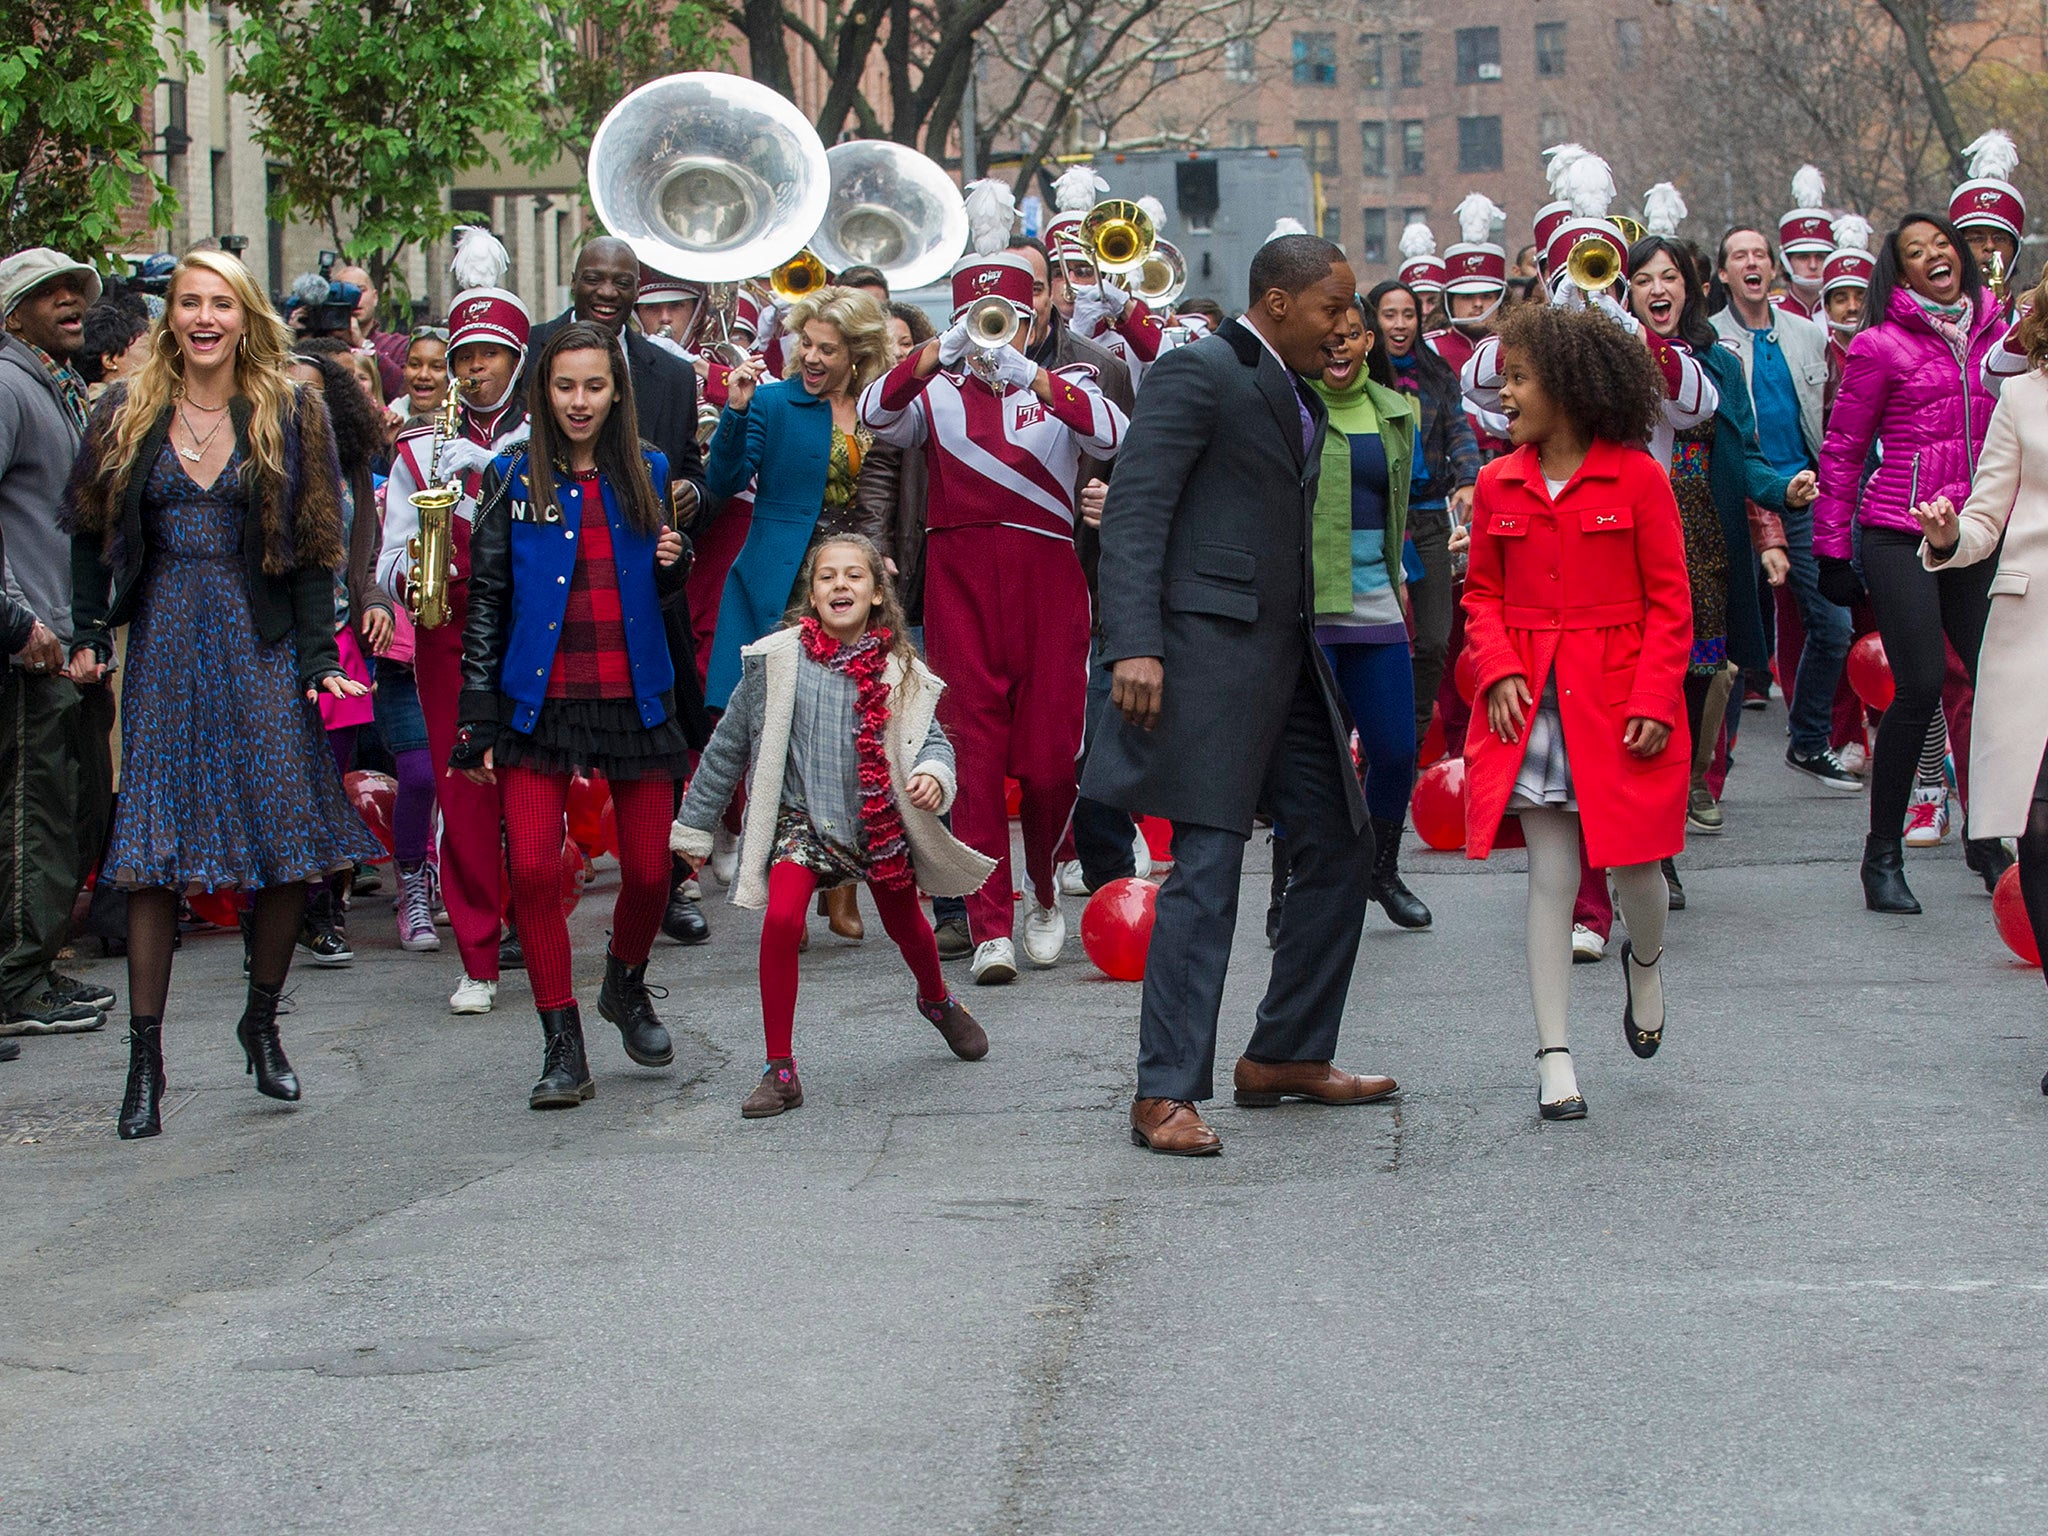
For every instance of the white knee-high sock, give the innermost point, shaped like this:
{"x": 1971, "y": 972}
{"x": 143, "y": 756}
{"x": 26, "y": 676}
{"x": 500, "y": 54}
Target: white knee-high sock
{"x": 1640, "y": 893}
{"x": 1553, "y": 838}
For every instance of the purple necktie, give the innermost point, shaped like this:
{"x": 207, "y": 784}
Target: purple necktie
{"x": 1308, "y": 422}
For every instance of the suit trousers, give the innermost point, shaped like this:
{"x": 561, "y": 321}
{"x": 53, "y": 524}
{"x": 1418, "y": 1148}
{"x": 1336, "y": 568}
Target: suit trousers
{"x": 56, "y": 795}
{"x": 1330, "y": 871}
{"x": 473, "y": 880}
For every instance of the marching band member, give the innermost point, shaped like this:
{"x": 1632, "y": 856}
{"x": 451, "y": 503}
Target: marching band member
{"x": 1422, "y": 270}
{"x": 1844, "y": 280}
{"x": 1475, "y": 282}
{"x": 1990, "y": 212}
{"x": 1006, "y": 603}
{"x": 1806, "y": 238}
{"x": 669, "y": 312}
{"x": 487, "y": 337}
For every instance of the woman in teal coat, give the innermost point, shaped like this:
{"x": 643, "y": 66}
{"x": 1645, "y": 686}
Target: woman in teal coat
{"x": 800, "y": 440}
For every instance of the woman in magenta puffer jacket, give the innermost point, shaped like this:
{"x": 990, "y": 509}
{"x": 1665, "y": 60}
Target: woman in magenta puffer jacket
{"x": 1912, "y": 386}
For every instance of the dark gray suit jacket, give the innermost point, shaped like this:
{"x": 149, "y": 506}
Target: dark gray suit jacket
{"x": 1205, "y": 564}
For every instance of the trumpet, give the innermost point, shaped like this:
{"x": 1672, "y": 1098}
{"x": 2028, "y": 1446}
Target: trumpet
{"x": 1119, "y": 235}
{"x": 1592, "y": 265}
{"x": 992, "y": 324}
{"x": 433, "y": 548}
{"x": 799, "y": 277}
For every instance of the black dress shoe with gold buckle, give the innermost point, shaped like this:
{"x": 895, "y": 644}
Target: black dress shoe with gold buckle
{"x": 1643, "y": 1042}
{"x": 1573, "y": 1108}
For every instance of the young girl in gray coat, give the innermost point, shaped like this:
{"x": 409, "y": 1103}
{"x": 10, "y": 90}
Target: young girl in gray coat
{"x": 834, "y": 725}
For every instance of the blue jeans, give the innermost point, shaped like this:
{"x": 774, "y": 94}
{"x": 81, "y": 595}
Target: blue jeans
{"x": 1378, "y": 684}
{"x": 1827, "y": 640}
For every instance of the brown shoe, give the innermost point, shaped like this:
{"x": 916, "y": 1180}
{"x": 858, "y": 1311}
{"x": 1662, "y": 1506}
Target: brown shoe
{"x": 841, "y": 909}
{"x": 1172, "y": 1126}
{"x": 1262, "y": 1084}
{"x": 778, "y": 1090}
{"x": 967, "y": 1039}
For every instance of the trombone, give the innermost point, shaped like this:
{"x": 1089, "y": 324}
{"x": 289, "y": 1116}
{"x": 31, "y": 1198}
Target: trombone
{"x": 1162, "y": 277}
{"x": 1118, "y": 235}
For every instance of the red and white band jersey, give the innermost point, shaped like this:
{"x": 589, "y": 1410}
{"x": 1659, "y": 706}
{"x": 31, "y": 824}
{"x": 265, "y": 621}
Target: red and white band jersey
{"x": 1005, "y": 459}
{"x": 409, "y": 471}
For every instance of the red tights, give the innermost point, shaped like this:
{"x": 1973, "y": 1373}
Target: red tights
{"x": 536, "y": 823}
{"x": 790, "y": 887}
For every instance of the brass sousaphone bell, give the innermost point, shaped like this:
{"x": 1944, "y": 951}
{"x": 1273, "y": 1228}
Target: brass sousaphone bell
{"x": 893, "y": 209}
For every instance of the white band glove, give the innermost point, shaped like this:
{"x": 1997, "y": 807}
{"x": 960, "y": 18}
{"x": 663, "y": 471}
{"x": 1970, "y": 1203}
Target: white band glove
{"x": 1013, "y": 369}
{"x": 460, "y": 456}
{"x": 1614, "y": 310}
{"x": 1092, "y": 312}
{"x": 954, "y": 344}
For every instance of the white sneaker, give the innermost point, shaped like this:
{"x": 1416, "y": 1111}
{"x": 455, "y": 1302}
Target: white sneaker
{"x": 1045, "y": 935}
{"x": 473, "y": 996}
{"x": 1072, "y": 881}
{"x": 995, "y": 963}
{"x": 1854, "y": 758}
{"x": 1587, "y": 946}
{"x": 725, "y": 855}
{"x": 1141, "y": 855}
{"x": 1927, "y": 816}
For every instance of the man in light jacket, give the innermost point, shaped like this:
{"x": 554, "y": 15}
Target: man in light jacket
{"x": 56, "y": 777}
{"x": 1785, "y": 361}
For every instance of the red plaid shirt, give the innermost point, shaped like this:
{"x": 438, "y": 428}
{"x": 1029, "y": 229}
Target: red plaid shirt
{"x": 590, "y": 661}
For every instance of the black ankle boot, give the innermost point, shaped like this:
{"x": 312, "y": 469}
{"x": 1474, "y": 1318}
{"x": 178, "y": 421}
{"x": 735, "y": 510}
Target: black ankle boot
{"x": 1402, "y": 905}
{"x": 628, "y": 1002}
{"x": 565, "y": 1073}
{"x": 141, "y": 1110}
{"x": 258, "y": 1034}
{"x": 1884, "y": 875}
{"x": 1987, "y": 859}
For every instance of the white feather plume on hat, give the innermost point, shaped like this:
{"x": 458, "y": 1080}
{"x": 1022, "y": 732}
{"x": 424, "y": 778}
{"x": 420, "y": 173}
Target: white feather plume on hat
{"x": 1809, "y": 187}
{"x": 1418, "y": 239}
{"x": 1155, "y": 210}
{"x": 1077, "y": 189}
{"x": 1852, "y": 232}
{"x": 1663, "y": 209}
{"x": 1560, "y": 159}
{"x": 991, "y": 215}
{"x": 1285, "y": 226}
{"x": 1991, "y": 155}
{"x": 1588, "y": 186}
{"x": 480, "y": 259}
{"x": 1478, "y": 217}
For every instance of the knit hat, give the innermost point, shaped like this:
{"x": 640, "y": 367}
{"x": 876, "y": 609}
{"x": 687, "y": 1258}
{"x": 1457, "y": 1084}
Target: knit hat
{"x": 1809, "y": 229}
{"x": 1988, "y": 200}
{"x": 1475, "y": 264}
{"x": 25, "y": 271}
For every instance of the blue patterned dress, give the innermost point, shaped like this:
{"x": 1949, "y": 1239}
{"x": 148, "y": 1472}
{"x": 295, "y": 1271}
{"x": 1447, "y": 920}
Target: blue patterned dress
{"x": 226, "y": 775}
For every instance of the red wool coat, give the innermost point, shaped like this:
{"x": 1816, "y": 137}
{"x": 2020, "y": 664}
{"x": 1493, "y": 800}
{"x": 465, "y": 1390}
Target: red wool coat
{"x": 1594, "y": 584}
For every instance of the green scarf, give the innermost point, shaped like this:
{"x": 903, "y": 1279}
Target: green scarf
{"x": 1359, "y": 408}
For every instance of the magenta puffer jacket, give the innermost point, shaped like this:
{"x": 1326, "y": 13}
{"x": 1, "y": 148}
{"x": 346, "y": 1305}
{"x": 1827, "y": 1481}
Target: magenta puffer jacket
{"x": 1903, "y": 388}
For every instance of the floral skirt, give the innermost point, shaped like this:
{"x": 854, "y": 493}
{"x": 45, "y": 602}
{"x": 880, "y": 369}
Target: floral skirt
{"x": 798, "y": 842}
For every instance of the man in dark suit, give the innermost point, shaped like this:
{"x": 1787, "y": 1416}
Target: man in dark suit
{"x": 1225, "y": 703}
{"x": 602, "y": 289}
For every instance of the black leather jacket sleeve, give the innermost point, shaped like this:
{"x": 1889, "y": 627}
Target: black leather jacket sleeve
{"x": 490, "y": 604}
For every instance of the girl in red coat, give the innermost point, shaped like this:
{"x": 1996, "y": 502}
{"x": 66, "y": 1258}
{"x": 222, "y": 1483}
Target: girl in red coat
{"x": 1579, "y": 620}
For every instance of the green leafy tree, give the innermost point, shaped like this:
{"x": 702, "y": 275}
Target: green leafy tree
{"x": 596, "y": 51}
{"x": 370, "y": 108}
{"x": 73, "y": 77}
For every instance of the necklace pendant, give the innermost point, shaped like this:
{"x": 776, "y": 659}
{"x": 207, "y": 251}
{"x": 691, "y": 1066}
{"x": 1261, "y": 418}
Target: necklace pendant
{"x": 191, "y": 454}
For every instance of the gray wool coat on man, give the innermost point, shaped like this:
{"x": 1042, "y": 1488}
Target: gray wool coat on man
{"x": 1205, "y": 564}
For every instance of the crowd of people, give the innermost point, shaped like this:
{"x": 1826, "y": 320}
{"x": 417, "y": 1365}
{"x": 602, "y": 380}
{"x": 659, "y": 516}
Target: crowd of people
{"x": 817, "y": 586}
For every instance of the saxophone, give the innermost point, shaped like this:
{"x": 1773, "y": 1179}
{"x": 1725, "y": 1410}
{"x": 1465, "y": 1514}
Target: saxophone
{"x": 433, "y": 549}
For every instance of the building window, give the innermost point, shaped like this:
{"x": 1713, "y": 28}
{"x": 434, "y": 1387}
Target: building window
{"x": 1372, "y": 144}
{"x": 1372, "y": 239}
{"x": 1411, "y": 147}
{"x": 1411, "y": 58}
{"x": 1549, "y": 49}
{"x": 1240, "y": 60}
{"x": 1478, "y": 54}
{"x": 1244, "y": 133}
{"x": 1318, "y": 141}
{"x": 1478, "y": 143}
{"x": 1315, "y": 58}
{"x": 1552, "y": 128}
{"x": 1628, "y": 43}
{"x": 1333, "y": 224}
{"x": 1372, "y": 74}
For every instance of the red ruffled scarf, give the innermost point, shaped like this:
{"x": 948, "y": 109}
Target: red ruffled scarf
{"x": 881, "y": 822}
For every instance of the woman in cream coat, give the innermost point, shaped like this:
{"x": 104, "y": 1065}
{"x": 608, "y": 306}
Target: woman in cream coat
{"x": 2009, "y": 731}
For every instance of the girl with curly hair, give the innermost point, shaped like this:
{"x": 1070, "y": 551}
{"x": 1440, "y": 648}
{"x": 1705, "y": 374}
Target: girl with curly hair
{"x": 1579, "y": 619}
{"x": 849, "y": 775}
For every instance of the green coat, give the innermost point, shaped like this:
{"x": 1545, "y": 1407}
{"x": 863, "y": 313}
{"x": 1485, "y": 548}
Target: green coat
{"x": 1331, "y": 528}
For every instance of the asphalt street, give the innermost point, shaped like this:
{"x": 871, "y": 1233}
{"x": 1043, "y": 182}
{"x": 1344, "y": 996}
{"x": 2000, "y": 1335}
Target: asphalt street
{"x": 1788, "y": 1276}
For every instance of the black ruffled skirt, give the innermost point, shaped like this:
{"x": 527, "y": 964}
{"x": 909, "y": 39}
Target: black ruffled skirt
{"x": 602, "y": 736}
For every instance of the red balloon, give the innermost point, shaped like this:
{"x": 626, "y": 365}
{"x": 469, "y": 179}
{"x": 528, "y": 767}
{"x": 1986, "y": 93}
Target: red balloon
{"x": 1013, "y": 798}
{"x": 1870, "y": 674}
{"x": 1158, "y": 833}
{"x": 1434, "y": 745}
{"x": 587, "y": 800}
{"x": 1465, "y": 674}
{"x": 572, "y": 875}
{"x": 607, "y": 830}
{"x": 373, "y": 795}
{"x": 223, "y": 909}
{"x": 1439, "y": 804}
{"x": 1116, "y": 927}
{"x": 2009, "y": 912}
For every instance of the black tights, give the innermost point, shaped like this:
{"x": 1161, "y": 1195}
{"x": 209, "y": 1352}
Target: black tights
{"x": 1916, "y": 608}
{"x": 2034, "y": 872}
{"x": 153, "y": 926}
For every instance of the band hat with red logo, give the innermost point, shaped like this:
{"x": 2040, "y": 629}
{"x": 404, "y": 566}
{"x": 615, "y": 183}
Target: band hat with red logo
{"x": 1574, "y": 232}
{"x": 488, "y": 314}
{"x": 1004, "y": 275}
{"x": 661, "y": 288}
{"x": 1422, "y": 269}
{"x": 1548, "y": 217}
{"x": 1849, "y": 264}
{"x": 1583, "y": 181}
{"x": 1560, "y": 162}
{"x": 1475, "y": 264}
{"x": 1989, "y": 200}
{"x": 1809, "y": 229}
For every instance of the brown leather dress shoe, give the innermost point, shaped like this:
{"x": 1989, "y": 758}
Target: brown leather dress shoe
{"x": 841, "y": 908}
{"x": 1262, "y": 1084}
{"x": 777, "y": 1091}
{"x": 1172, "y": 1126}
{"x": 966, "y": 1039}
